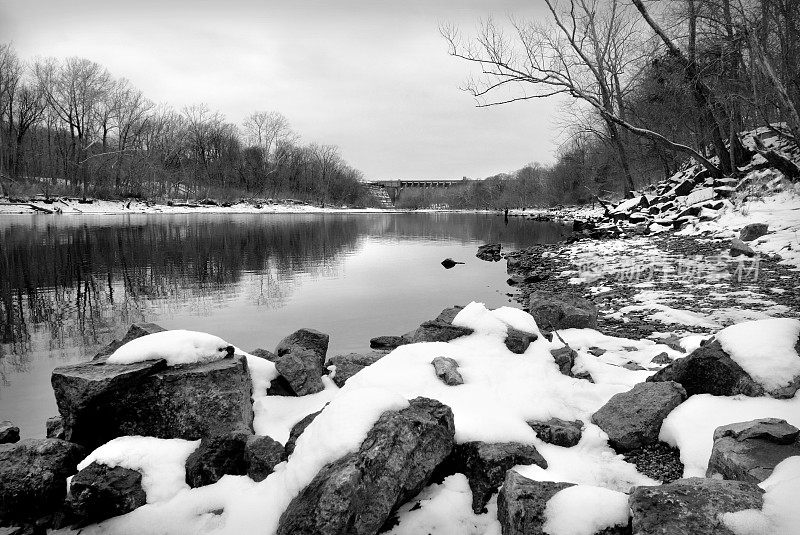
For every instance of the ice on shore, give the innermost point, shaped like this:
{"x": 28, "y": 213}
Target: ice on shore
{"x": 177, "y": 347}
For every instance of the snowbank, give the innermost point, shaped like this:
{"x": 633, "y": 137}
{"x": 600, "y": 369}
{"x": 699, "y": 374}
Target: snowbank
{"x": 177, "y": 347}
{"x": 764, "y": 349}
{"x": 585, "y": 510}
{"x": 160, "y": 461}
{"x": 779, "y": 515}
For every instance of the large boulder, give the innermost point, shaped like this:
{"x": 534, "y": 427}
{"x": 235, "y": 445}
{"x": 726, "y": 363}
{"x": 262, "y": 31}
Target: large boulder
{"x": 303, "y": 371}
{"x": 215, "y": 457}
{"x": 33, "y": 477}
{"x": 100, "y": 401}
{"x": 446, "y": 370}
{"x": 305, "y": 339}
{"x": 690, "y": 506}
{"x": 485, "y": 465}
{"x": 262, "y": 454}
{"x": 9, "y": 433}
{"x": 750, "y": 451}
{"x": 357, "y": 493}
{"x": 559, "y": 432}
{"x": 297, "y": 430}
{"x": 518, "y": 341}
{"x": 521, "y": 504}
{"x": 709, "y": 370}
{"x": 633, "y": 419}
{"x": 438, "y": 331}
{"x": 350, "y": 364}
{"x": 562, "y": 310}
{"x": 99, "y": 492}
{"x": 753, "y": 231}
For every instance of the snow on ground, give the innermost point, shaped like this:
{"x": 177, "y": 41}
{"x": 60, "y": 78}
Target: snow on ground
{"x": 691, "y": 425}
{"x": 780, "y": 211}
{"x": 779, "y": 515}
{"x": 446, "y": 509}
{"x": 276, "y": 415}
{"x": 765, "y": 350}
{"x": 585, "y": 510}
{"x": 177, "y": 347}
{"x": 161, "y": 462}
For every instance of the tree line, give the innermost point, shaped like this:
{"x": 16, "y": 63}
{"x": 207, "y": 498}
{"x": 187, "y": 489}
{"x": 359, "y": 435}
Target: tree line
{"x": 646, "y": 84}
{"x": 69, "y": 126}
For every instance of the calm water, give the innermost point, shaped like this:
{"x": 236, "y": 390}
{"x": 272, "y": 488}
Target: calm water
{"x": 70, "y": 284}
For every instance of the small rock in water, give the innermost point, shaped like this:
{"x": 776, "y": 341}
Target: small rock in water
{"x": 447, "y": 371}
{"x": 449, "y": 263}
{"x": 9, "y": 433}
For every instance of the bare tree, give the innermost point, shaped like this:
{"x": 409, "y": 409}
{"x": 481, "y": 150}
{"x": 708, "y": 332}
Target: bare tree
{"x": 589, "y": 52}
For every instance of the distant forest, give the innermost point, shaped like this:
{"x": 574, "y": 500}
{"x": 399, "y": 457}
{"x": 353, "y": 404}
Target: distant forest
{"x": 70, "y": 127}
{"x": 645, "y": 85}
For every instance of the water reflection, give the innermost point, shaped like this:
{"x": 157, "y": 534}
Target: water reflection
{"x": 69, "y": 284}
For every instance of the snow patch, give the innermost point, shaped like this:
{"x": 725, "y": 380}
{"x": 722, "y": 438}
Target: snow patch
{"x": 585, "y": 510}
{"x": 177, "y": 347}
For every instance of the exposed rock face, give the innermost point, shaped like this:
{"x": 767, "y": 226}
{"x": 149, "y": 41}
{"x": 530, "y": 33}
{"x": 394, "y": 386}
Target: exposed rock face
{"x": 438, "y": 331}
{"x": 633, "y": 418}
{"x": 262, "y": 454}
{"x": 661, "y": 358}
{"x": 33, "y": 477}
{"x": 565, "y": 359}
{"x": 350, "y": 364}
{"x": 356, "y": 494}
{"x": 518, "y": 341}
{"x": 303, "y": 371}
{"x": 215, "y": 457}
{"x": 738, "y": 247}
{"x": 709, "y": 370}
{"x": 659, "y": 461}
{"x": 265, "y": 354}
{"x": 753, "y": 231}
{"x": 559, "y": 432}
{"x": 387, "y": 343}
{"x": 55, "y": 427}
{"x": 449, "y": 314}
{"x": 521, "y": 504}
{"x": 100, "y": 401}
{"x": 446, "y": 370}
{"x": 486, "y": 464}
{"x": 690, "y": 506}
{"x": 307, "y": 339}
{"x": 750, "y": 451}
{"x": 489, "y": 252}
{"x": 9, "y": 433}
{"x": 297, "y": 430}
{"x": 562, "y": 311}
{"x": 100, "y": 492}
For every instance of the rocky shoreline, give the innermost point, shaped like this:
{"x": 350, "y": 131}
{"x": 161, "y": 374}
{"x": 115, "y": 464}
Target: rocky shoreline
{"x": 109, "y": 405}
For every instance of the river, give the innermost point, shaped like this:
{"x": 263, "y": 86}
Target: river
{"x": 70, "y": 284}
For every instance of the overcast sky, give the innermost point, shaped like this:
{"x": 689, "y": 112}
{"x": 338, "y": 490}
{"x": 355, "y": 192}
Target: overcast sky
{"x": 372, "y": 77}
